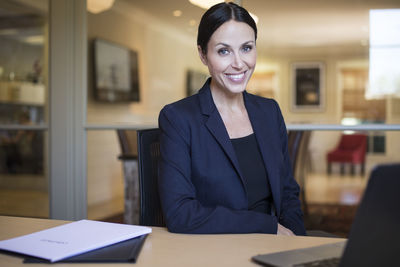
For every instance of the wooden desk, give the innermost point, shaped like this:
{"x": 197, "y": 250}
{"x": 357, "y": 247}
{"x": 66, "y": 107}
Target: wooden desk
{"x": 165, "y": 249}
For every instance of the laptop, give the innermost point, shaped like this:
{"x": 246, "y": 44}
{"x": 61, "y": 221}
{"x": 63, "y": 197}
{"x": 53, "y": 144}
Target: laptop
{"x": 374, "y": 238}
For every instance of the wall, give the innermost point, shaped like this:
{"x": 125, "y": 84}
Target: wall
{"x": 164, "y": 58}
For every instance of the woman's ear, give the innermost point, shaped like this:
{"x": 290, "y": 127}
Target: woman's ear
{"x": 203, "y": 57}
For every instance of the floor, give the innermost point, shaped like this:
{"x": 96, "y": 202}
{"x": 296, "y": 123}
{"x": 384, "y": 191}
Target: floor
{"x": 334, "y": 188}
{"x": 27, "y": 196}
{"x": 24, "y": 195}
{"x": 332, "y": 201}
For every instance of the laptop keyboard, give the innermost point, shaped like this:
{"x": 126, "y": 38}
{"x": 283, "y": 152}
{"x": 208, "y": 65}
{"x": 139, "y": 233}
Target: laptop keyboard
{"x": 320, "y": 263}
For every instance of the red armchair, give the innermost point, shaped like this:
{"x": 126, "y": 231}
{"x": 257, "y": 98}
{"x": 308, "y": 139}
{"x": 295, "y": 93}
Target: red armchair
{"x": 351, "y": 149}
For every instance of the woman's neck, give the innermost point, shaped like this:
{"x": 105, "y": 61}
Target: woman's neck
{"x": 233, "y": 112}
{"x": 227, "y": 101}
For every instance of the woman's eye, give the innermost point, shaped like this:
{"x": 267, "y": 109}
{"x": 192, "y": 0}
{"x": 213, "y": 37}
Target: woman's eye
{"x": 223, "y": 51}
{"x": 247, "y": 48}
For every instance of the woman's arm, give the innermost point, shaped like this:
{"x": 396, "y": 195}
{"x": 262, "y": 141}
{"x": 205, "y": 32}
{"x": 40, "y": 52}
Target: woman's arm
{"x": 182, "y": 210}
{"x": 291, "y": 215}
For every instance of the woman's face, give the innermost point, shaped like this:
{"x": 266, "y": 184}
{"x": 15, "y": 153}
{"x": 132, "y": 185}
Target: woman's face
{"x": 231, "y": 56}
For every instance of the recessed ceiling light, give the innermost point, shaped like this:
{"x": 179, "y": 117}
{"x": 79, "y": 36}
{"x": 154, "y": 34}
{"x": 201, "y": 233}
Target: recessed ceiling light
{"x": 177, "y": 13}
{"x": 97, "y": 6}
{"x": 192, "y": 22}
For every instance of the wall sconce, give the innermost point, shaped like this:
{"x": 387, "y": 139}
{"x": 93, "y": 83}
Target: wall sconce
{"x": 97, "y": 6}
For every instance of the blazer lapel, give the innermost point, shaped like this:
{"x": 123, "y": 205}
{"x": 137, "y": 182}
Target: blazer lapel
{"x": 261, "y": 124}
{"x": 217, "y": 128}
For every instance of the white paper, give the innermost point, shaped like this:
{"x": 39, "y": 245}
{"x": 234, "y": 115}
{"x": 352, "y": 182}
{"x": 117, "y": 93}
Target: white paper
{"x": 71, "y": 239}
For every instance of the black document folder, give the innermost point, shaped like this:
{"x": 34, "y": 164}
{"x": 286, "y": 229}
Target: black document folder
{"x": 126, "y": 251}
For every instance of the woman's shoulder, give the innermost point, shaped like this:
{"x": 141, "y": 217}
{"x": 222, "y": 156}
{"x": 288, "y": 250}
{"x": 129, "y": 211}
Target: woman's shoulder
{"x": 182, "y": 112}
{"x": 185, "y": 105}
{"x": 180, "y": 115}
{"x": 192, "y": 104}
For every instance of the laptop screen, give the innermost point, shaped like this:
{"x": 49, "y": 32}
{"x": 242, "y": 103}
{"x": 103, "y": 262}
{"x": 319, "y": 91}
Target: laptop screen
{"x": 374, "y": 238}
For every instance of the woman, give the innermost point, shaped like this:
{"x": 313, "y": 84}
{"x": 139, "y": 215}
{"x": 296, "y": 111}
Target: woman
{"x": 224, "y": 163}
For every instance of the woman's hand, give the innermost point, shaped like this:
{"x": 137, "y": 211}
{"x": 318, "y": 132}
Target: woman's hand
{"x": 282, "y": 230}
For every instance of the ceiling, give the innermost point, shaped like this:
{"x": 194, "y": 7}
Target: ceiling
{"x": 282, "y": 23}
{"x": 286, "y": 23}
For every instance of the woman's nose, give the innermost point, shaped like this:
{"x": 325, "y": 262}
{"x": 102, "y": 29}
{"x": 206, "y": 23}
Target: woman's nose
{"x": 237, "y": 61}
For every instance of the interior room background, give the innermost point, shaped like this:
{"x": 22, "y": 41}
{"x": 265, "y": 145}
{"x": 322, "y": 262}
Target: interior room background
{"x": 166, "y": 54}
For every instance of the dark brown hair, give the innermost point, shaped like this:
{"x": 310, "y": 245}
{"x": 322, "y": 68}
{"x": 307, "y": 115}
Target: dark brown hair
{"x": 217, "y": 15}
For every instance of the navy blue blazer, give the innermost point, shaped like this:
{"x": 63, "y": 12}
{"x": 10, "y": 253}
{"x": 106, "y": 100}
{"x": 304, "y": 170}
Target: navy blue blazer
{"x": 200, "y": 183}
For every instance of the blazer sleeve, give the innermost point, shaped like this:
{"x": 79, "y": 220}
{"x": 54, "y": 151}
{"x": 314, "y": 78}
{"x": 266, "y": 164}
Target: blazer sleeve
{"x": 291, "y": 215}
{"x": 183, "y": 213}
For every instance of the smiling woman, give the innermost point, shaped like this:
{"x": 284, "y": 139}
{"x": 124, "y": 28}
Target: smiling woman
{"x": 231, "y": 58}
{"x": 224, "y": 162}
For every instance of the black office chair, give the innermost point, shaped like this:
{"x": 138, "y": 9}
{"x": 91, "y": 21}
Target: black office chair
{"x": 298, "y": 142}
{"x": 150, "y": 213}
{"x": 294, "y": 140}
{"x": 128, "y": 143}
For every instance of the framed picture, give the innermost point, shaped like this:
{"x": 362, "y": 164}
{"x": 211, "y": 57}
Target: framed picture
{"x": 116, "y": 75}
{"x": 308, "y": 86}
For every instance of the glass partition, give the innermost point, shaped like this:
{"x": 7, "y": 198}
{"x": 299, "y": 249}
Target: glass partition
{"x": 313, "y": 58}
{"x": 105, "y": 177}
{"x": 23, "y": 108}
{"x": 333, "y": 169}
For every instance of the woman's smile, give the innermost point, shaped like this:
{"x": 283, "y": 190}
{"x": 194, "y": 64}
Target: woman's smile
{"x": 236, "y": 77}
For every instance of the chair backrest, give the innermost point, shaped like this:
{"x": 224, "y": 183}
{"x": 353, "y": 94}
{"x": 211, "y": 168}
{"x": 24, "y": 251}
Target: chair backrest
{"x": 128, "y": 142}
{"x": 150, "y": 213}
{"x": 298, "y": 142}
{"x": 302, "y": 167}
{"x": 353, "y": 142}
{"x": 294, "y": 140}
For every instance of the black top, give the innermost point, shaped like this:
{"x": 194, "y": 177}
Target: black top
{"x": 254, "y": 173}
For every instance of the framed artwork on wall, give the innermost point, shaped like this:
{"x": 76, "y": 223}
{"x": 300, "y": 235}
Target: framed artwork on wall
{"x": 116, "y": 75}
{"x": 308, "y": 86}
